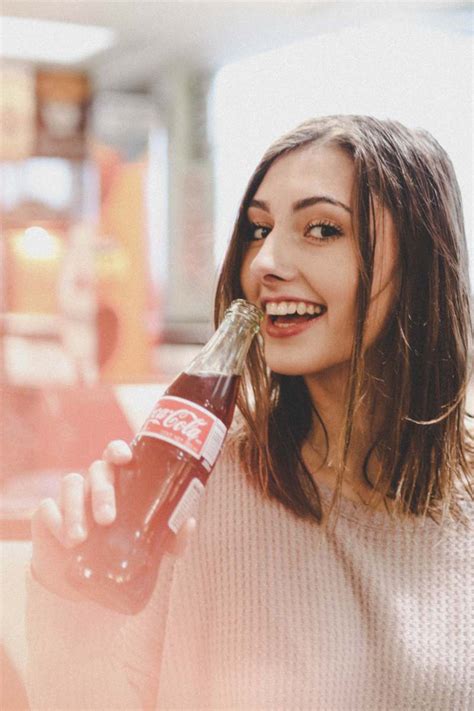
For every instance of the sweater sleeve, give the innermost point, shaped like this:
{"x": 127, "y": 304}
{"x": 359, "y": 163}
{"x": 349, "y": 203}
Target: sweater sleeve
{"x": 82, "y": 656}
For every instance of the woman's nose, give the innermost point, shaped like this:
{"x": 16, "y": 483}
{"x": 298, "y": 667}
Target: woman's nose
{"x": 273, "y": 259}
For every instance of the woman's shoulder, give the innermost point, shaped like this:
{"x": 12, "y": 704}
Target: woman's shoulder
{"x": 228, "y": 475}
{"x": 232, "y": 500}
{"x": 231, "y": 492}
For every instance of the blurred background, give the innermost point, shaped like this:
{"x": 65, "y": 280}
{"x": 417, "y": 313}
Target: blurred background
{"x": 128, "y": 132}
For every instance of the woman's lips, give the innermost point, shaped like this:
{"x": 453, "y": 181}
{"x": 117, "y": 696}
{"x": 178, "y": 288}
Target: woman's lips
{"x": 281, "y": 328}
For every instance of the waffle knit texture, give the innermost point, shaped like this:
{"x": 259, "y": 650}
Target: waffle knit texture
{"x": 268, "y": 611}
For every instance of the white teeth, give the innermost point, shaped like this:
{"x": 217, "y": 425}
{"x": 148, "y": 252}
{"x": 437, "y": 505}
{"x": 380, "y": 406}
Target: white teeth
{"x": 284, "y": 308}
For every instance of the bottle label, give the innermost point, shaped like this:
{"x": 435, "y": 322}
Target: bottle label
{"x": 187, "y": 426}
{"x": 187, "y": 506}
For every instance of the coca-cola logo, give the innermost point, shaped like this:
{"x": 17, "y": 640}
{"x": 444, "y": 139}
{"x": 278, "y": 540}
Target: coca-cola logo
{"x": 186, "y": 425}
{"x": 180, "y": 420}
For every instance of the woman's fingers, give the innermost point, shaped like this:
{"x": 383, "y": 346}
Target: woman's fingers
{"x": 72, "y": 501}
{"x": 49, "y": 557}
{"x": 49, "y": 515}
{"x": 67, "y": 518}
{"x": 101, "y": 481}
{"x": 117, "y": 453}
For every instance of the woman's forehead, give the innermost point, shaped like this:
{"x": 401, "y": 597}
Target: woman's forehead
{"x": 306, "y": 171}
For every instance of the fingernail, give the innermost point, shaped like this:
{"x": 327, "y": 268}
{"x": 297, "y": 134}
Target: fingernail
{"x": 106, "y": 512}
{"x": 118, "y": 449}
{"x": 77, "y": 531}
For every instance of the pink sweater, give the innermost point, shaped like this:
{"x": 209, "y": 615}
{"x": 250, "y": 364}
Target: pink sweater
{"x": 266, "y": 611}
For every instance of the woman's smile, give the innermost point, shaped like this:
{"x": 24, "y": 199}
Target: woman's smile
{"x": 289, "y": 317}
{"x": 287, "y": 326}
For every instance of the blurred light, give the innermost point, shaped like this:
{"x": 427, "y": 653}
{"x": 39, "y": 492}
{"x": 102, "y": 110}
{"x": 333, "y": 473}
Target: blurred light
{"x": 45, "y": 41}
{"x": 38, "y": 244}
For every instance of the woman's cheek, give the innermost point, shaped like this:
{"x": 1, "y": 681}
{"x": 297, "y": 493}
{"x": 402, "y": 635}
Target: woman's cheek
{"x": 247, "y": 282}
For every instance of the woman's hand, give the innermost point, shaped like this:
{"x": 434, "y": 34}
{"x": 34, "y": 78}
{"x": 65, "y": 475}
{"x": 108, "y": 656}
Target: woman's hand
{"x": 58, "y": 525}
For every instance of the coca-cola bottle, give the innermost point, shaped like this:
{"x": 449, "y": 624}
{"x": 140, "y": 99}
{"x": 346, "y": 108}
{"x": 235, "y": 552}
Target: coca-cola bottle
{"x": 173, "y": 455}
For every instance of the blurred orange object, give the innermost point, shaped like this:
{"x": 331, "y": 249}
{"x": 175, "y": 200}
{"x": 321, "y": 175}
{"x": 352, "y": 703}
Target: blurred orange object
{"x": 62, "y": 102}
{"x": 123, "y": 280}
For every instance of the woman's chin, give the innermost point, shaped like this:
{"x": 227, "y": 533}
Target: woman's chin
{"x": 315, "y": 369}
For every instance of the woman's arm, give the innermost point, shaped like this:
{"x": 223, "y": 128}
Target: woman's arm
{"x": 81, "y": 656}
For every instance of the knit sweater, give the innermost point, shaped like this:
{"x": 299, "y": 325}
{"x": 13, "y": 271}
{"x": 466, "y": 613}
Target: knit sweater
{"x": 268, "y": 611}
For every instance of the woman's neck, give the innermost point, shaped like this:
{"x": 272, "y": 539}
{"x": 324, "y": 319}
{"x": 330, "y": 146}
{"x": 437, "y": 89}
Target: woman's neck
{"x": 322, "y": 456}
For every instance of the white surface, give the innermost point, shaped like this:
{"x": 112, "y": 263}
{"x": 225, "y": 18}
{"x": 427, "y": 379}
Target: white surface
{"x": 14, "y": 561}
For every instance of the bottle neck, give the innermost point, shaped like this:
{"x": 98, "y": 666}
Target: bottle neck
{"x": 227, "y": 349}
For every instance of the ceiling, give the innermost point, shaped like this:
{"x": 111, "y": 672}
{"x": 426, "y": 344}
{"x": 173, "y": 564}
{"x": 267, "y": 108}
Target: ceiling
{"x": 152, "y": 35}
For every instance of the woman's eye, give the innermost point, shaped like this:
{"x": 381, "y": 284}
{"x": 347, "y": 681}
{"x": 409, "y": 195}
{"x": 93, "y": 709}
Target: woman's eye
{"x": 323, "y": 231}
{"x": 257, "y": 232}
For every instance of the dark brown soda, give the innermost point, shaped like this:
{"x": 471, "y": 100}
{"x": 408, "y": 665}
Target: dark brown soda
{"x": 118, "y": 564}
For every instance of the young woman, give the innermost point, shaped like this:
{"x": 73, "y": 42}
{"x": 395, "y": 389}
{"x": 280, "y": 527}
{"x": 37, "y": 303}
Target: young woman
{"x": 331, "y": 566}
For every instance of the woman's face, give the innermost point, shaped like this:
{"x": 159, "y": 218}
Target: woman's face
{"x": 301, "y": 257}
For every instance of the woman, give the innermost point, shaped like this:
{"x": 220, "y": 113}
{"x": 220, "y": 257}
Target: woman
{"x": 350, "y": 237}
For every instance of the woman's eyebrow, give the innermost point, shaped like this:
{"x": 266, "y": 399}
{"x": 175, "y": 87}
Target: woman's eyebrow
{"x": 261, "y": 204}
{"x": 302, "y": 204}
{"x": 307, "y": 202}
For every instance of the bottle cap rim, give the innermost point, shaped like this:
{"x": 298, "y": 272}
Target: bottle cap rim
{"x": 249, "y": 308}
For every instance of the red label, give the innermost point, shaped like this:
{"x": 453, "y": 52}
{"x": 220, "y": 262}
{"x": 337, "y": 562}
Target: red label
{"x": 184, "y": 424}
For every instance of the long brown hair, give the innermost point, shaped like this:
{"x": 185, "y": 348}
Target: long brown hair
{"x": 424, "y": 446}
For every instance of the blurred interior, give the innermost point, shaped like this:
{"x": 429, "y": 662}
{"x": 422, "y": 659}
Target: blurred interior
{"x": 121, "y": 172}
